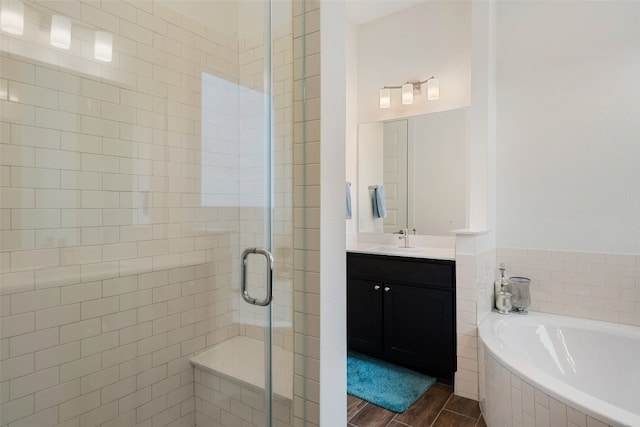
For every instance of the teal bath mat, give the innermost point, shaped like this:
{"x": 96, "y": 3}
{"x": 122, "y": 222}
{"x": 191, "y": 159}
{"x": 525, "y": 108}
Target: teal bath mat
{"x": 393, "y": 387}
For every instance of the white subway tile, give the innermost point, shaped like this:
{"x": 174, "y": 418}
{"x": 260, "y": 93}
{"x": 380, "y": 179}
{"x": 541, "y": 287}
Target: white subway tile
{"x": 35, "y": 137}
{"x": 119, "y": 251}
{"x": 35, "y": 259}
{"x": 80, "y": 292}
{"x": 34, "y": 341}
{"x": 165, "y": 324}
{"x": 119, "y": 354}
{"x": 151, "y": 344}
{"x": 17, "y": 325}
{"x": 46, "y": 418}
{"x": 119, "y": 390}
{"x": 35, "y": 300}
{"x": 151, "y": 312}
{"x": 58, "y": 80}
{"x": 16, "y": 409}
{"x": 54, "y": 198}
{"x": 52, "y": 277}
{"x": 79, "y": 405}
{"x": 57, "y": 355}
{"x": 117, "y": 182}
{"x": 99, "y": 379}
{"x": 33, "y": 95}
{"x": 152, "y": 376}
{"x": 79, "y": 368}
{"x": 121, "y": 285}
{"x": 136, "y": 299}
{"x": 16, "y": 367}
{"x": 59, "y": 120}
{"x": 34, "y": 177}
{"x": 80, "y": 330}
{"x": 32, "y": 383}
{"x": 81, "y": 143}
{"x": 99, "y": 343}
{"x": 12, "y": 283}
{"x": 81, "y": 217}
{"x": 34, "y": 218}
{"x": 104, "y": 270}
{"x": 17, "y": 70}
{"x": 135, "y": 333}
{"x": 119, "y": 320}
{"x": 100, "y": 307}
{"x": 166, "y": 293}
{"x": 57, "y": 316}
{"x": 154, "y": 279}
{"x": 57, "y": 238}
{"x": 58, "y": 394}
{"x": 100, "y": 199}
{"x": 18, "y": 113}
{"x": 135, "y": 400}
{"x": 81, "y": 180}
{"x": 79, "y": 104}
{"x": 17, "y": 240}
{"x": 101, "y": 91}
{"x": 100, "y": 235}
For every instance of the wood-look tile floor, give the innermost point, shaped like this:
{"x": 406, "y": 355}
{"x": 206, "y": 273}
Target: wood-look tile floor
{"x": 438, "y": 407}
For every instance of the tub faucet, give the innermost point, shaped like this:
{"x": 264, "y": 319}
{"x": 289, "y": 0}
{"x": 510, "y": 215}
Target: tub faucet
{"x": 404, "y": 234}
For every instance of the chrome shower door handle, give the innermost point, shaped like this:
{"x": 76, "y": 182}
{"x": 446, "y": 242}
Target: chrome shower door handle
{"x": 245, "y": 292}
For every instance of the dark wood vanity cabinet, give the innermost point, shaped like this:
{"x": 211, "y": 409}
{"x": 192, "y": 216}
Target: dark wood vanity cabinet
{"x": 402, "y": 310}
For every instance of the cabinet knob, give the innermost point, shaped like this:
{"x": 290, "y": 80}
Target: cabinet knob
{"x": 376, "y": 287}
{"x": 387, "y": 289}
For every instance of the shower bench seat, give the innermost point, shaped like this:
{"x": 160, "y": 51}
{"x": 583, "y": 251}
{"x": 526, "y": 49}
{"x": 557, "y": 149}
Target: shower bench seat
{"x": 230, "y": 376}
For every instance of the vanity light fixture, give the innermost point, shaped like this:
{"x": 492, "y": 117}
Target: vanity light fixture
{"x": 409, "y": 90}
{"x": 12, "y": 16}
{"x": 60, "y": 32}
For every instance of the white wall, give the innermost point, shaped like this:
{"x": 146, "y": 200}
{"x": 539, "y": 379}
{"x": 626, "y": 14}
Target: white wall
{"x": 333, "y": 269}
{"x": 351, "y": 143}
{"x": 568, "y": 134}
{"x": 432, "y": 38}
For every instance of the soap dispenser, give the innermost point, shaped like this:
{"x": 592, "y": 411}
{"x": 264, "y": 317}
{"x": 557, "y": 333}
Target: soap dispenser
{"x": 501, "y": 293}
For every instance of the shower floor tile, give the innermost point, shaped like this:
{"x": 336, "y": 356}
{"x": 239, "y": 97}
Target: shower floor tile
{"x": 438, "y": 407}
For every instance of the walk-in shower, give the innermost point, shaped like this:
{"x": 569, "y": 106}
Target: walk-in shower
{"x": 145, "y": 147}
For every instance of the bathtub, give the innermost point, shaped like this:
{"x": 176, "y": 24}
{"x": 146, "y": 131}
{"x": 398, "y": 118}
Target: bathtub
{"x": 543, "y": 369}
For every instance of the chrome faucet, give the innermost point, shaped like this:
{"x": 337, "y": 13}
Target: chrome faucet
{"x": 404, "y": 234}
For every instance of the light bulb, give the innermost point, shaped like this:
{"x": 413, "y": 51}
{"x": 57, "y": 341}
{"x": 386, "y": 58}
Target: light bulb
{"x": 60, "y": 32}
{"x": 103, "y": 49}
{"x": 433, "y": 89}
{"x": 385, "y": 98}
{"x": 12, "y": 17}
{"x": 407, "y": 93}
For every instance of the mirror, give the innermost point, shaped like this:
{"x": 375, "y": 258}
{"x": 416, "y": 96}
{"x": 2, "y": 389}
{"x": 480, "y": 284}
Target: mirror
{"x": 421, "y": 162}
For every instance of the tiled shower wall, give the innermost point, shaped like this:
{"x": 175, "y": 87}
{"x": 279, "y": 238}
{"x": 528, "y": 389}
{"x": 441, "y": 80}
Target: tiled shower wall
{"x": 116, "y": 267}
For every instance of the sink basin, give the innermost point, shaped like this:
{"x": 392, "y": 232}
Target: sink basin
{"x": 398, "y": 249}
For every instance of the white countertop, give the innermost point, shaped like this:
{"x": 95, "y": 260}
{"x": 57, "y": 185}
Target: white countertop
{"x": 397, "y": 250}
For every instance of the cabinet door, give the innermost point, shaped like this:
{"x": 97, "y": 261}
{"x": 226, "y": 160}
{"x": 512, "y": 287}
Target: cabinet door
{"x": 419, "y": 329}
{"x": 364, "y": 316}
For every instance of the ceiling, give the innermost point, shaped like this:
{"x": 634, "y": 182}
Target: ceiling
{"x": 362, "y": 11}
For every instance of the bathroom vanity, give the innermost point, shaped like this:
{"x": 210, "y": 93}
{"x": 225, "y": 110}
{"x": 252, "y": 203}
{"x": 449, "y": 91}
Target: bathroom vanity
{"x": 402, "y": 309}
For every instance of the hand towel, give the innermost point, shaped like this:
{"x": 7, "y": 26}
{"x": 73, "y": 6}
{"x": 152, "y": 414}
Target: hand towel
{"x": 348, "y": 195}
{"x": 379, "y": 203}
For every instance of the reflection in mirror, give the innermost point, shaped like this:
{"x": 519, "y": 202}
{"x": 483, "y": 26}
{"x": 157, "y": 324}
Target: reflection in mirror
{"x": 421, "y": 163}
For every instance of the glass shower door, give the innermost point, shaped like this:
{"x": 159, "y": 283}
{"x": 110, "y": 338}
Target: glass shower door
{"x": 250, "y": 175}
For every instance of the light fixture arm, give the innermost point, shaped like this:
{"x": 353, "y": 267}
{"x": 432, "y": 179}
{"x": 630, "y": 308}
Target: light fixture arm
{"x": 415, "y": 84}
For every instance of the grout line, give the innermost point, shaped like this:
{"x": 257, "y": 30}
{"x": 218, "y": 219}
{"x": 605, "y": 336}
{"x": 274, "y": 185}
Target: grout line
{"x": 441, "y": 409}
